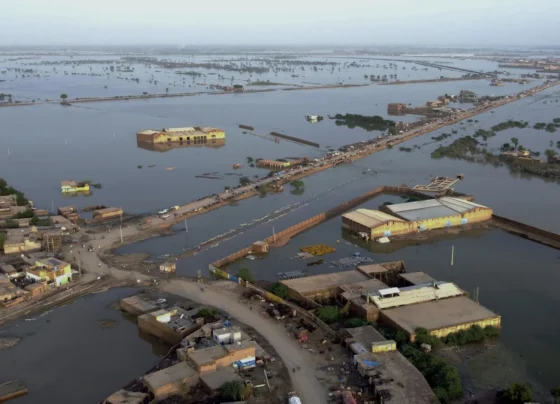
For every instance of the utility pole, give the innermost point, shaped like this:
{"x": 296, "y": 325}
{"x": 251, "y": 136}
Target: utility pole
{"x": 452, "y": 257}
{"x": 186, "y": 227}
{"x": 273, "y": 235}
{"x": 120, "y": 227}
{"x": 52, "y": 206}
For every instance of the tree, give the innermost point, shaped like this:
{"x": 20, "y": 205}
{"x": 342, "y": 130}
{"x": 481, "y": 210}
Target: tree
{"x": 549, "y": 153}
{"x": 233, "y": 391}
{"x": 2, "y": 239}
{"x": 246, "y": 275}
{"x": 329, "y": 314}
{"x": 297, "y": 184}
{"x": 515, "y": 142}
{"x": 63, "y": 96}
{"x": 244, "y": 181}
{"x": 279, "y": 290}
{"x": 518, "y": 393}
{"x": 556, "y": 394}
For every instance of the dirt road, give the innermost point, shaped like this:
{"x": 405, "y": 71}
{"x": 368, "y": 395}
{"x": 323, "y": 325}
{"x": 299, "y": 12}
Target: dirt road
{"x": 304, "y": 380}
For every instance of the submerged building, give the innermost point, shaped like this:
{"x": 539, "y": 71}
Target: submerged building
{"x": 196, "y": 134}
{"x": 413, "y": 217}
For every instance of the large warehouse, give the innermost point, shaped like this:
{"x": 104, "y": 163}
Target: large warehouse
{"x": 439, "y": 213}
{"x": 375, "y": 223}
{"x": 405, "y": 218}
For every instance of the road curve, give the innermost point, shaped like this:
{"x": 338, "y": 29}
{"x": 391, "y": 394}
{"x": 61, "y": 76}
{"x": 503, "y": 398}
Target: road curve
{"x": 304, "y": 380}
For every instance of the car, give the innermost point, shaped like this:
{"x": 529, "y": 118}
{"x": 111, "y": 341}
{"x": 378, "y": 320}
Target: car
{"x": 164, "y": 216}
{"x": 163, "y": 212}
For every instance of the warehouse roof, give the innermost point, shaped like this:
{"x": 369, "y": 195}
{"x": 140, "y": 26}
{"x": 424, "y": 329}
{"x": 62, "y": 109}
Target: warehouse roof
{"x": 325, "y": 281}
{"x": 370, "y": 217}
{"x": 394, "y": 297}
{"x": 417, "y": 278}
{"x": 433, "y": 208}
{"x": 438, "y": 314}
{"x": 215, "y": 380}
{"x": 175, "y": 373}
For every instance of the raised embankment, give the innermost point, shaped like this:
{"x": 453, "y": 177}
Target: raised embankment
{"x": 530, "y": 232}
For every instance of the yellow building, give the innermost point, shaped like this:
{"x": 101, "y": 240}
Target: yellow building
{"x": 375, "y": 223}
{"x": 176, "y": 135}
{"x": 73, "y": 186}
{"x": 412, "y": 217}
{"x": 50, "y": 270}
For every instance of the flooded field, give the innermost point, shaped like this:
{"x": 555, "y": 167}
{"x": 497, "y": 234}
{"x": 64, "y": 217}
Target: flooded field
{"x": 78, "y": 353}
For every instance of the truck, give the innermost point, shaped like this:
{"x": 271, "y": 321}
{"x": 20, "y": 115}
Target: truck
{"x": 293, "y": 398}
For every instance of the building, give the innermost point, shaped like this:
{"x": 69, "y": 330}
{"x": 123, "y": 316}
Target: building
{"x": 219, "y": 356}
{"x": 126, "y": 397}
{"x": 7, "y": 200}
{"x": 20, "y": 243}
{"x": 374, "y": 223}
{"x": 73, "y": 186}
{"x": 170, "y": 325}
{"x": 416, "y": 278}
{"x": 50, "y": 270}
{"x": 51, "y": 240}
{"x": 394, "y": 378}
{"x": 107, "y": 214}
{"x": 273, "y": 164}
{"x": 467, "y": 96}
{"x": 168, "y": 267}
{"x": 396, "y": 109}
{"x": 198, "y": 134}
{"x": 171, "y": 381}
{"x": 8, "y": 291}
{"x": 226, "y": 335}
{"x": 212, "y": 381}
{"x": 439, "y": 213}
{"x": 164, "y": 147}
{"x": 441, "y": 316}
{"x": 136, "y": 305}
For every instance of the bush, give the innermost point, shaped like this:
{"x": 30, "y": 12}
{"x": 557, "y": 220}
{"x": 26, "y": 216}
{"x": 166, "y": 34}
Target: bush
{"x": 329, "y": 314}
{"x": 27, "y": 214}
{"x": 246, "y": 275}
{"x": 2, "y": 239}
{"x": 518, "y": 393}
{"x": 207, "y": 313}
{"x": 473, "y": 334}
{"x": 355, "y": 322}
{"x": 423, "y": 337}
{"x": 244, "y": 181}
{"x": 12, "y": 224}
{"x": 233, "y": 391}
{"x": 279, "y": 290}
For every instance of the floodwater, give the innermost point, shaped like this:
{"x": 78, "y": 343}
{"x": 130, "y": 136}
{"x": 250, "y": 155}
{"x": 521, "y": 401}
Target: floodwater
{"x": 517, "y": 278}
{"x": 96, "y": 141}
{"x": 66, "y": 357}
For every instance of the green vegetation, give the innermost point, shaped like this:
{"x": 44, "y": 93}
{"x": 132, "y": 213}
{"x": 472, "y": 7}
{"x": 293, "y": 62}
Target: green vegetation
{"x": 2, "y": 239}
{"x": 369, "y": 123}
{"x": 297, "y": 184}
{"x": 509, "y": 124}
{"x": 442, "y": 377}
{"x": 454, "y": 132}
{"x": 517, "y": 393}
{"x": 139, "y": 166}
{"x": 5, "y": 190}
{"x": 35, "y": 221}
{"x": 484, "y": 134}
{"x": 550, "y": 153}
{"x": 405, "y": 149}
{"x": 249, "y": 159}
{"x": 473, "y": 334}
{"x": 551, "y": 128}
{"x": 266, "y": 83}
{"x": 329, "y": 314}
{"x": 355, "y": 322}
{"x": 244, "y": 181}
{"x": 227, "y": 188}
{"x": 389, "y": 146}
{"x": 11, "y": 224}
{"x": 246, "y": 275}
{"x": 458, "y": 149}
{"x": 558, "y": 144}
{"x": 441, "y": 137}
{"x": 279, "y": 290}
{"x": 263, "y": 190}
{"x": 208, "y": 313}
{"x": 539, "y": 125}
{"x": 27, "y": 214}
{"x": 234, "y": 391}
{"x": 63, "y": 96}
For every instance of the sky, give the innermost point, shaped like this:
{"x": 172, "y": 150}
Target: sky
{"x": 282, "y": 22}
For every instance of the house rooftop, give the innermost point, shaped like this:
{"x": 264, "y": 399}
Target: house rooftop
{"x": 437, "y": 314}
{"x": 172, "y": 374}
{"x": 433, "y": 208}
{"x": 215, "y": 380}
{"x": 326, "y": 281}
{"x": 417, "y": 278}
{"x": 370, "y": 218}
{"x": 364, "y": 335}
{"x": 126, "y": 397}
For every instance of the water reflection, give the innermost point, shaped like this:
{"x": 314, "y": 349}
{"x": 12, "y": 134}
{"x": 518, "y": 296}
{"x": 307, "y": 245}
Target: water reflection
{"x": 164, "y": 147}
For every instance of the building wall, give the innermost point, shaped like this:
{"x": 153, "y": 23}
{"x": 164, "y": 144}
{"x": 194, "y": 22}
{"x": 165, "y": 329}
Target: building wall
{"x": 368, "y": 312}
{"x": 392, "y": 229}
{"x": 171, "y": 137}
{"x": 227, "y": 360}
{"x": 442, "y": 332}
{"x": 151, "y": 326}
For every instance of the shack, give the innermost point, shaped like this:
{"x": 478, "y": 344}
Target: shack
{"x": 107, "y": 214}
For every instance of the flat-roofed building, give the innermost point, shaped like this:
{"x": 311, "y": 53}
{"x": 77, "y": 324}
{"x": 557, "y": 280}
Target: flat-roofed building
{"x": 50, "y": 270}
{"x": 441, "y": 317}
{"x": 171, "y": 381}
{"x": 324, "y": 286}
{"x": 218, "y": 356}
{"x": 136, "y": 305}
{"x": 416, "y": 278}
{"x": 395, "y": 297}
{"x": 439, "y": 213}
{"x": 126, "y": 397}
{"x": 212, "y": 381}
{"x": 375, "y": 223}
{"x": 170, "y": 325}
{"x": 107, "y": 214}
{"x": 187, "y": 134}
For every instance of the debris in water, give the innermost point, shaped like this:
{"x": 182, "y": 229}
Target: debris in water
{"x": 107, "y": 323}
{"x": 6, "y": 343}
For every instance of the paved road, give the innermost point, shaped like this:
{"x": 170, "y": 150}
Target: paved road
{"x": 304, "y": 380}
